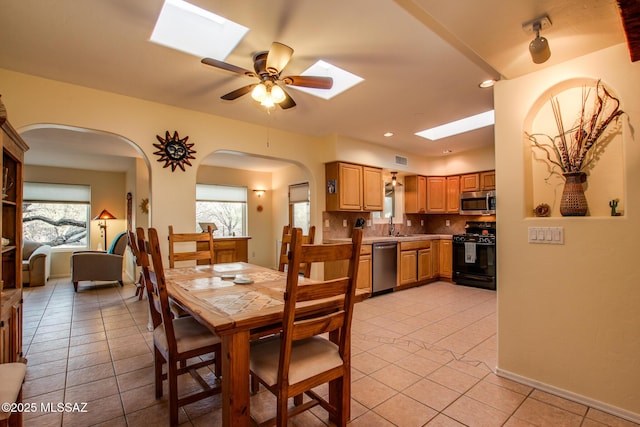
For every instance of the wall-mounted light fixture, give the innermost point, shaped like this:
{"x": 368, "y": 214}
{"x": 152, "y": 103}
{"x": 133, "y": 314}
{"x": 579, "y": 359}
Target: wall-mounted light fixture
{"x": 104, "y": 216}
{"x": 259, "y": 193}
{"x": 394, "y": 178}
{"x": 539, "y": 47}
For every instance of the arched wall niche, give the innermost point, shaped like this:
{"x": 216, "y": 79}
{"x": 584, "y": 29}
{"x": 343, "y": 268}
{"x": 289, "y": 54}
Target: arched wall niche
{"x": 605, "y": 174}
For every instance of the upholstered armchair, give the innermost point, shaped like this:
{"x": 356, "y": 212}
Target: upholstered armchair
{"x": 99, "y": 266}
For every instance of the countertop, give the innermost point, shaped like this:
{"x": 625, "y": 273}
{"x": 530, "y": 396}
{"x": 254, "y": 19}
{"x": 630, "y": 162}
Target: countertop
{"x": 367, "y": 240}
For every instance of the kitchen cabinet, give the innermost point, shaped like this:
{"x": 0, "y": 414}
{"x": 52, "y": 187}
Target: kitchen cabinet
{"x": 453, "y": 194}
{"x": 13, "y": 148}
{"x": 470, "y": 182}
{"x": 446, "y": 259}
{"x": 436, "y": 194}
{"x": 336, "y": 269}
{"x": 443, "y": 194}
{"x": 415, "y": 194}
{"x": 372, "y": 189}
{"x": 488, "y": 180}
{"x": 352, "y": 187}
{"x": 435, "y": 257}
{"x": 364, "y": 268}
{"x": 416, "y": 262}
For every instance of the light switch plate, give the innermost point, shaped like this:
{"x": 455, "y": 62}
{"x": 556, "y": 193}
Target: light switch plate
{"x": 546, "y": 235}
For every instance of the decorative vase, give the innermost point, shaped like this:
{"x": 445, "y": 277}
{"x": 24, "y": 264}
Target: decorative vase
{"x": 573, "y": 201}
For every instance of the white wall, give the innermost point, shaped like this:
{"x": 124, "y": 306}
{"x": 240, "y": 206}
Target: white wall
{"x": 568, "y": 315}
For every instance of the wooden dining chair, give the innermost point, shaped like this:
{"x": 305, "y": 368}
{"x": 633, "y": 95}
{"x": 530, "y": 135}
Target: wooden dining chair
{"x": 183, "y": 344}
{"x": 283, "y": 259}
{"x": 140, "y": 286}
{"x": 300, "y": 357}
{"x": 204, "y": 247}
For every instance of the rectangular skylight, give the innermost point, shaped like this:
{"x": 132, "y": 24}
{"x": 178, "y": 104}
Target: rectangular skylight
{"x": 459, "y": 126}
{"x": 196, "y": 31}
{"x": 342, "y": 79}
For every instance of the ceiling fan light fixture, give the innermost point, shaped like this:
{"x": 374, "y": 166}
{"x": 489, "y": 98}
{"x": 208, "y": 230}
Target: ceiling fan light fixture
{"x": 259, "y": 92}
{"x": 277, "y": 94}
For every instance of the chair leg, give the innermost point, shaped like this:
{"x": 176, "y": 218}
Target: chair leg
{"x": 158, "y": 360}
{"x": 217, "y": 363}
{"x": 172, "y": 377}
{"x": 255, "y": 384}
{"x": 75, "y": 286}
{"x": 282, "y": 409}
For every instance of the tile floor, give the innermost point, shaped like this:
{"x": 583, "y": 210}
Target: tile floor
{"x": 423, "y": 356}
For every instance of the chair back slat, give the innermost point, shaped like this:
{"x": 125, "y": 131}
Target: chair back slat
{"x": 204, "y": 246}
{"x": 317, "y": 326}
{"x": 322, "y": 290}
{"x": 283, "y": 260}
{"x": 298, "y": 323}
{"x": 160, "y": 298}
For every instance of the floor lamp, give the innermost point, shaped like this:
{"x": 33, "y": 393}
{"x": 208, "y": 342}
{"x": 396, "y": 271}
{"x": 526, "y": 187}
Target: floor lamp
{"x": 104, "y": 216}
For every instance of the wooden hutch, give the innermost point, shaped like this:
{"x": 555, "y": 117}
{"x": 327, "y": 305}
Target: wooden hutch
{"x": 13, "y": 148}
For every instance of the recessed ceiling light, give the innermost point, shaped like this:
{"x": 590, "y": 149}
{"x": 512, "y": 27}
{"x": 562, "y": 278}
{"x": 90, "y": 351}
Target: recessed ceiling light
{"x": 188, "y": 28}
{"x": 388, "y": 134}
{"x": 459, "y": 126}
{"x": 487, "y": 83}
{"x": 342, "y": 80}
{"x": 447, "y": 151}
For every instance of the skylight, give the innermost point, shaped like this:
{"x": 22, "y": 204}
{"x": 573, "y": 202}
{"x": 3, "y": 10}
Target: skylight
{"x": 342, "y": 80}
{"x": 196, "y": 31}
{"x": 459, "y": 126}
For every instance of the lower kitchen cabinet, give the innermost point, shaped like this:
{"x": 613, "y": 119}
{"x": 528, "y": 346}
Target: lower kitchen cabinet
{"x": 446, "y": 259}
{"x": 408, "y": 267}
{"x": 425, "y": 265}
{"x": 229, "y": 249}
{"x": 364, "y": 268}
{"x": 335, "y": 269}
{"x": 416, "y": 262}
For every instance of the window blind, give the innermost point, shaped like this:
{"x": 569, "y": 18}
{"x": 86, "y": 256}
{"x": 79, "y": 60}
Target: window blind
{"x": 47, "y": 192}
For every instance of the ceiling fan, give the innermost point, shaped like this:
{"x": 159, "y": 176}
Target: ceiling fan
{"x": 268, "y": 66}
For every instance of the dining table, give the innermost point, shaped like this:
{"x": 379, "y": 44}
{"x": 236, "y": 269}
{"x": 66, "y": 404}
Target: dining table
{"x": 238, "y": 301}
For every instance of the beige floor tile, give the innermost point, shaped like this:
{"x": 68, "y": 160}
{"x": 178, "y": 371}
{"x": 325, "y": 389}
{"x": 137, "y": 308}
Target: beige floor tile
{"x": 389, "y": 352}
{"x": 93, "y": 347}
{"x": 90, "y": 359}
{"x": 559, "y": 402}
{"x": 370, "y": 419}
{"x": 370, "y": 392}
{"x": 97, "y": 411}
{"x": 45, "y": 369}
{"x": 453, "y": 379}
{"x": 607, "y": 419}
{"x": 133, "y": 363}
{"x": 403, "y": 411}
{"x": 418, "y": 365}
{"x": 89, "y": 374}
{"x": 432, "y": 394}
{"x": 44, "y": 420}
{"x": 395, "y": 377}
{"x": 43, "y": 385}
{"x": 473, "y": 413}
{"x": 41, "y": 401}
{"x": 135, "y": 379}
{"x": 92, "y": 391}
{"x": 367, "y": 363}
{"x": 498, "y": 397}
{"x": 540, "y": 413}
{"x": 442, "y": 420}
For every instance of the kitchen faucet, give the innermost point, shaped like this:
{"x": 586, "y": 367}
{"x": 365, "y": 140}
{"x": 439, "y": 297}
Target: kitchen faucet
{"x": 392, "y": 228}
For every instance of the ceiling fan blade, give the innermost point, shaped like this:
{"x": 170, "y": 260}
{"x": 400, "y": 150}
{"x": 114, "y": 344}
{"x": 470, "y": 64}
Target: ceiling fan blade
{"x": 238, "y": 92}
{"x": 278, "y": 57}
{"x": 309, "y": 81}
{"x": 227, "y": 67}
{"x": 288, "y": 102}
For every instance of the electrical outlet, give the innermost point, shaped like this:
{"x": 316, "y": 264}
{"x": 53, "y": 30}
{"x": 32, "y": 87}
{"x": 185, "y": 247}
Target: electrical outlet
{"x": 422, "y": 223}
{"x": 408, "y": 223}
{"x": 447, "y": 223}
{"x": 344, "y": 223}
{"x": 368, "y": 223}
{"x": 326, "y": 223}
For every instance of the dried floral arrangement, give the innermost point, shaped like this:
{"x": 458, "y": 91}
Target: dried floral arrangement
{"x": 574, "y": 149}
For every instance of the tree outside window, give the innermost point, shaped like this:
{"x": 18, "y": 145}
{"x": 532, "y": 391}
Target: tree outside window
{"x": 56, "y": 214}
{"x": 225, "y": 206}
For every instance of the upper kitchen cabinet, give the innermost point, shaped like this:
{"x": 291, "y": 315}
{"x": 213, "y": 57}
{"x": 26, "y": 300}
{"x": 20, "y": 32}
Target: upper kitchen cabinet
{"x": 443, "y": 194}
{"x": 488, "y": 180}
{"x": 470, "y": 182}
{"x": 479, "y": 181}
{"x": 352, "y": 187}
{"x": 415, "y": 194}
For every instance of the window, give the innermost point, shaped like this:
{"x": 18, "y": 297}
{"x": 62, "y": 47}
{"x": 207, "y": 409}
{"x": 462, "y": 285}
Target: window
{"x": 56, "y": 214}
{"x": 299, "y": 207}
{"x": 225, "y": 206}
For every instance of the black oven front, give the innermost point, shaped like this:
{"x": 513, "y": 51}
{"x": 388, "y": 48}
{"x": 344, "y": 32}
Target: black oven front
{"x": 474, "y": 260}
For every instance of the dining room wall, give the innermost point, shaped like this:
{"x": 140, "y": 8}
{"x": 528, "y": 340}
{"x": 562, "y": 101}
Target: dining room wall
{"x": 568, "y": 317}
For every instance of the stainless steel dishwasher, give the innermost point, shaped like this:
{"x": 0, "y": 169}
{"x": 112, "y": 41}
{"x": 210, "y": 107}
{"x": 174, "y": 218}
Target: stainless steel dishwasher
{"x": 385, "y": 264}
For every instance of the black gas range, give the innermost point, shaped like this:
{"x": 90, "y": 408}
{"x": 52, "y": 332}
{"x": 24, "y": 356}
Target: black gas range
{"x": 474, "y": 255}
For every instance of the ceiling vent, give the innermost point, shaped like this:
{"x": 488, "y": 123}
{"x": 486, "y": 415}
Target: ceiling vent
{"x": 402, "y": 161}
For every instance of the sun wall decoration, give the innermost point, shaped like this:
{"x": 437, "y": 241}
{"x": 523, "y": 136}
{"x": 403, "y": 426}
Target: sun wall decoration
{"x": 174, "y": 151}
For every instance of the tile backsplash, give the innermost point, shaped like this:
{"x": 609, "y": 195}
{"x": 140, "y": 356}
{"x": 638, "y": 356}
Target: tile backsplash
{"x": 340, "y": 224}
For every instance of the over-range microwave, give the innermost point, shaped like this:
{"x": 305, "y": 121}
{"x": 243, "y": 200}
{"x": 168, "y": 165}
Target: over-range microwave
{"x": 478, "y": 203}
